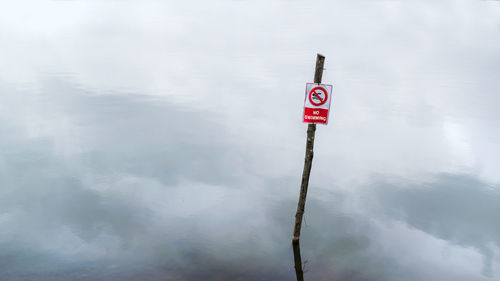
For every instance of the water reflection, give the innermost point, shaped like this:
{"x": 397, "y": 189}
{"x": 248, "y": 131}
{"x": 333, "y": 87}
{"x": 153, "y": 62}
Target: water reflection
{"x": 90, "y": 191}
{"x": 153, "y": 140}
{"x": 298, "y": 265}
{"x": 456, "y": 208}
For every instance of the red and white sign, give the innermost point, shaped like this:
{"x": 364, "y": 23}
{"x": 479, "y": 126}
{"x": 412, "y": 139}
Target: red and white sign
{"x": 317, "y": 103}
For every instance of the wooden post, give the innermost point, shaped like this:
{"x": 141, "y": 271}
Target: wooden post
{"x": 311, "y": 131}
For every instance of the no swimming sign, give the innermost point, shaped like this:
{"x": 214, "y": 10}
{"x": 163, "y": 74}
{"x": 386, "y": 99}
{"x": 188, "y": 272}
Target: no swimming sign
{"x": 317, "y": 103}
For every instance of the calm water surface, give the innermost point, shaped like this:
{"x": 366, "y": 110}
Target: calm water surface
{"x": 160, "y": 140}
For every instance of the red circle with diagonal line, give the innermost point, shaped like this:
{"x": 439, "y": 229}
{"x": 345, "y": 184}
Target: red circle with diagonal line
{"x": 318, "y": 99}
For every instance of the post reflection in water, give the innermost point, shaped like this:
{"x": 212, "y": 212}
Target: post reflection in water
{"x": 298, "y": 260}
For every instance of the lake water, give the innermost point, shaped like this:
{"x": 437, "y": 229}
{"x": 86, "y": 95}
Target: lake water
{"x": 160, "y": 140}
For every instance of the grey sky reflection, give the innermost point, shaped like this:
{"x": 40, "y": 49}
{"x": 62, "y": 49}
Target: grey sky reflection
{"x": 459, "y": 209}
{"x": 128, "y": 198}
{"x": 121, "y": 204}
{"x": 153, "y": 140}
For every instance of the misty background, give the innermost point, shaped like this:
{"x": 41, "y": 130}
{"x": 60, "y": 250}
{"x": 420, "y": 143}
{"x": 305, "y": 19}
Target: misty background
{"x": 163, "y": 140}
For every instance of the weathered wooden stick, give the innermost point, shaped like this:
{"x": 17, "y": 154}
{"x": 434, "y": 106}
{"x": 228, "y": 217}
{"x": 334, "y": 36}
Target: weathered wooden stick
{"x": 311, "y": 130}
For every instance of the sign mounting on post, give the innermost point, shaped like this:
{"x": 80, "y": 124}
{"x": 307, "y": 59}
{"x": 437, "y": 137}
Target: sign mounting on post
{"x": 317, "y": 103}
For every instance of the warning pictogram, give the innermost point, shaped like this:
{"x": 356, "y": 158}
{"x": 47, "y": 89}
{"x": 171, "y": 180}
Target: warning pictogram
{"x": 317, "y": 103}
{"x": 318, "y": 96}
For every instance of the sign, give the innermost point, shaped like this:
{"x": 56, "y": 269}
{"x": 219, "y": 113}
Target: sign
{"x": 317, "y": 103}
